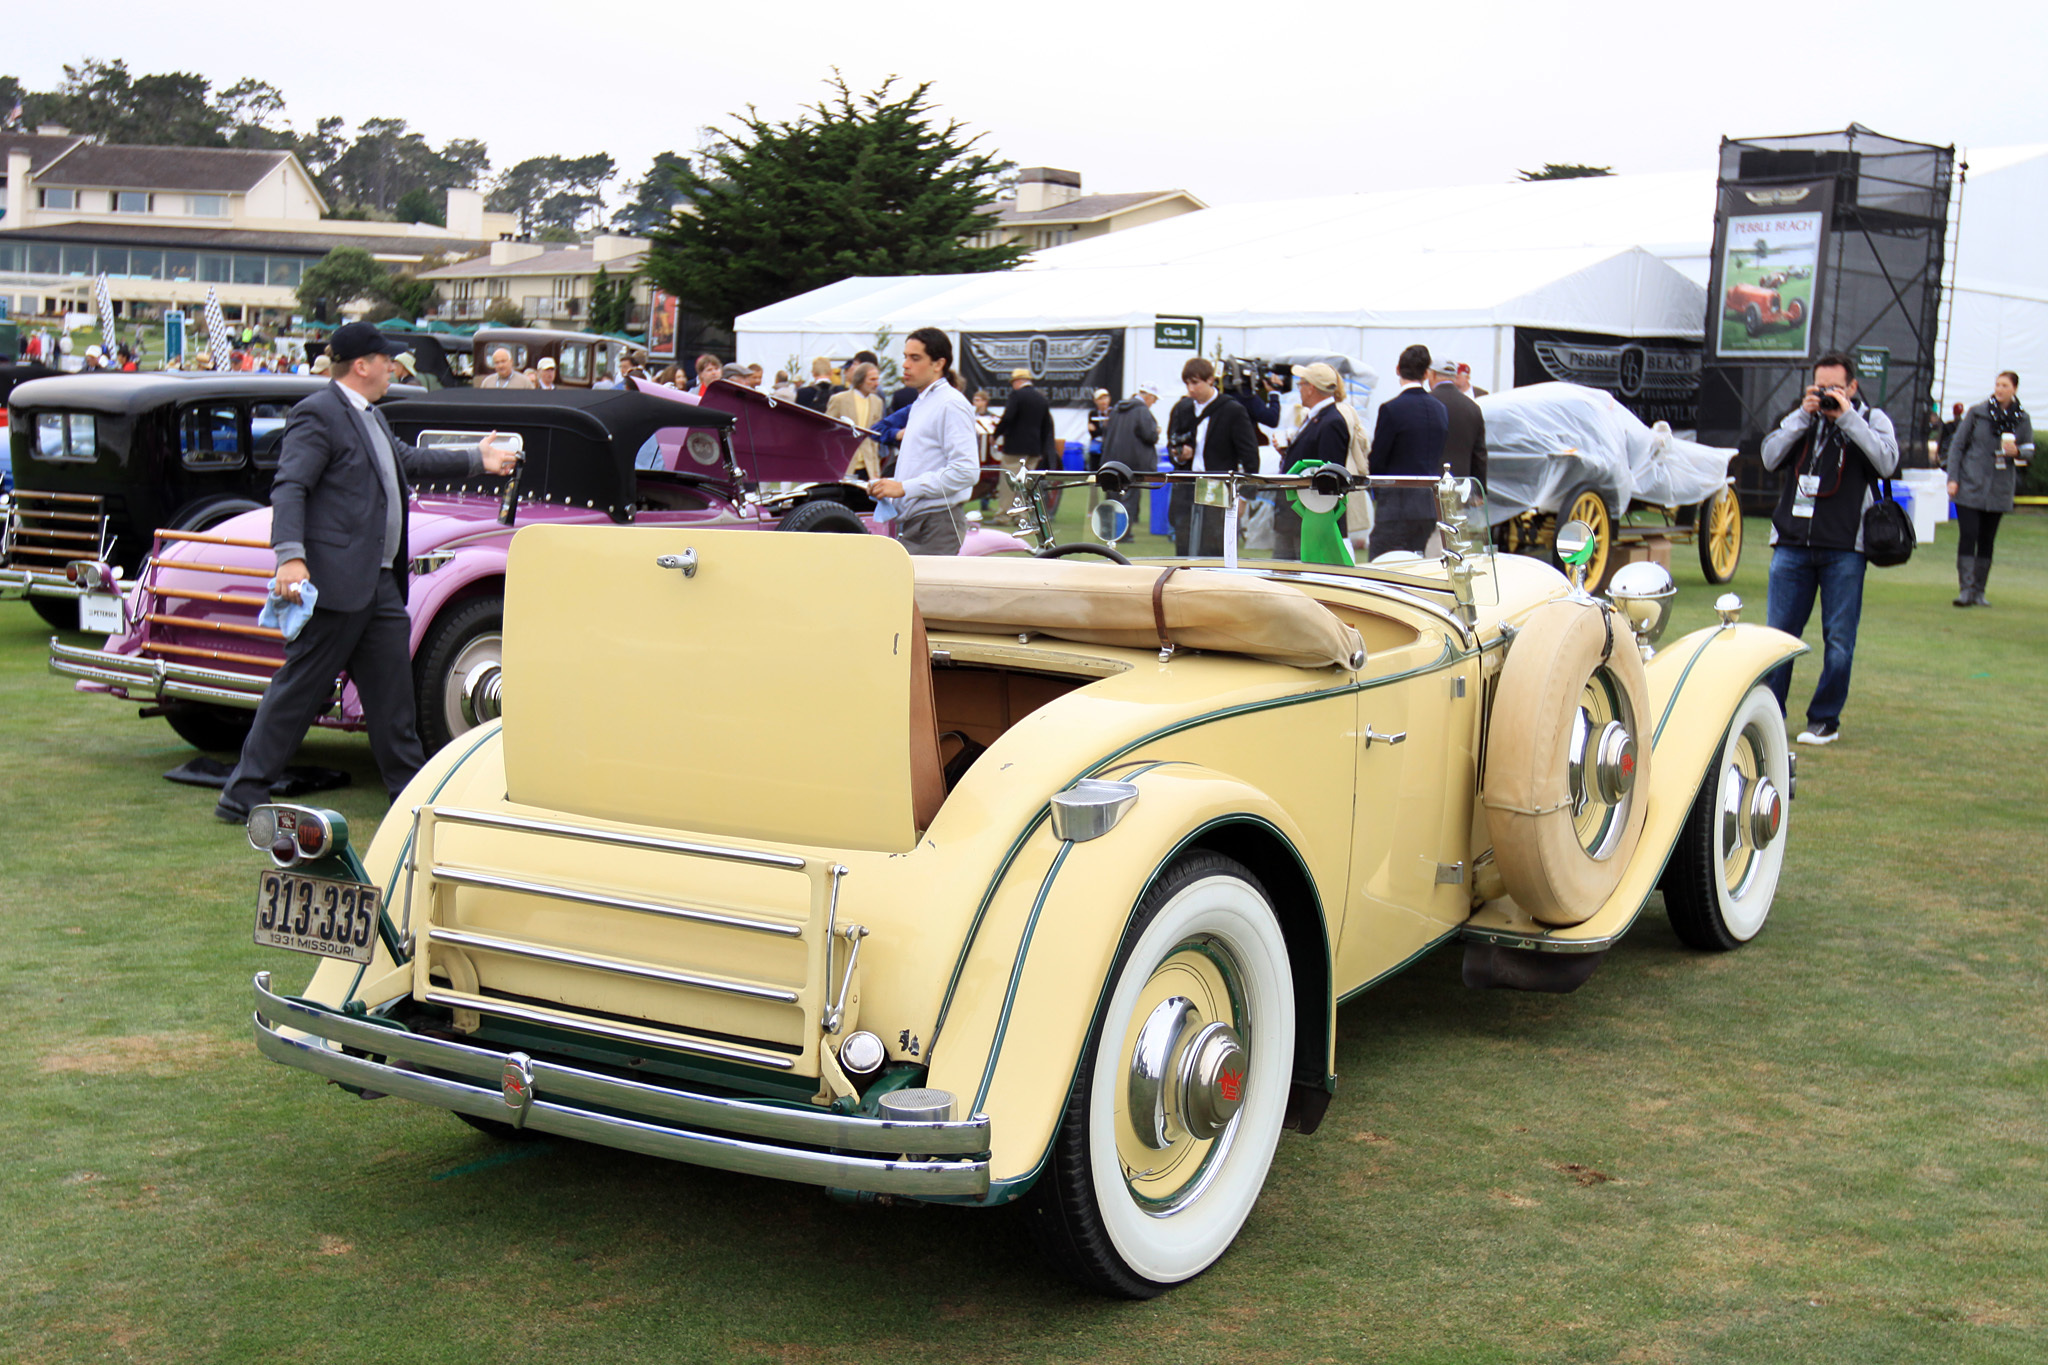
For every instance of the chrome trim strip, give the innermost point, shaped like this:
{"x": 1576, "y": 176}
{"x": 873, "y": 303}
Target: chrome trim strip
{"x": 488, "y": 943}
{"x": 1509, "y": 938}
{"x": 604, "y": 1028}
{"x": 548, "y": 1113}
{"x": 484, "y": 881}
{"x": 604, "y": 836}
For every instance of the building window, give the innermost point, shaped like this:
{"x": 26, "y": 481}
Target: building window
{"x": 131, "y": 201}
{"x": 248, "y": 269}
{"x": 565, "y": 286}
{"x": 498, "y": 289}
{"x": 214, "y": 269}
{"x": 59, "y": 199}
{"x": 181, "y": 265}
{"x": 206, "y": 205}
{"x": 146, "y": 265}
{"x": 462, "y": 290}
{"x": 286, "y": 271}
{"x": 77, "y": 261}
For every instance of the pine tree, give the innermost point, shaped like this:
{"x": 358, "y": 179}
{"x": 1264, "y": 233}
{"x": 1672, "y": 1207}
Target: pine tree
{"x": 856, "y": 185}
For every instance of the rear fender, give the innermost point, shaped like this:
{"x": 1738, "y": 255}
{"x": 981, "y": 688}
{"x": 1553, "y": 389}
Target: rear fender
{"x": 429, "y": 594}
{"x": 1038, "y": 971}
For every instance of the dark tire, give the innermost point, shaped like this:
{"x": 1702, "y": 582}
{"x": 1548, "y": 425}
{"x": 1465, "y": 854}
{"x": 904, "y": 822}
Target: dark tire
{"x": 1752, "y": 320}
{"x": 60, "y": 613}
{"x": 202, "y": 516}
{"x": 823, "y": 515}
{"x": 214, "y": 729}
{"x": 1203, "y": 936}
{"x": 464, "y": 636}
{"x": 1719, "y": 884}
{"x": 1082, "y": 547}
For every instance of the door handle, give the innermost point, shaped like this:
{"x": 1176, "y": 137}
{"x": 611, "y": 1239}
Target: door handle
{"x": 1372, "y": 734}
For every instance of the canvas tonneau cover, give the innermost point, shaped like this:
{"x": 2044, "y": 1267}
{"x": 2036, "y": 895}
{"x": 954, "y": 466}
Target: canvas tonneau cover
{"x": 1545, "y": 441}
{"x": 1130, "y": 606}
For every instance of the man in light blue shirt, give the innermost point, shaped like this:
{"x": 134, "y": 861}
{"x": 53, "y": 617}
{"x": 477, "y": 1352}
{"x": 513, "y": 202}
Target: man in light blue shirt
{"x": 938, "y": 466}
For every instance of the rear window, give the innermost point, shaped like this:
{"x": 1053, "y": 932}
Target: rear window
{"x": 266, "y": 432}
{"x": 210, "y": 438}
{"x": 66, "y": 437}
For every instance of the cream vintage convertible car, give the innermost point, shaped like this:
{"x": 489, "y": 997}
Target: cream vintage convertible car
{"x": 1064, "y": 911}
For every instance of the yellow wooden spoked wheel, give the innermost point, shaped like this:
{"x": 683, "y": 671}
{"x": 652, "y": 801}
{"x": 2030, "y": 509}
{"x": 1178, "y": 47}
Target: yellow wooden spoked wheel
{"x": 1718, "y": 531}
{"x": 1587, "y": 505}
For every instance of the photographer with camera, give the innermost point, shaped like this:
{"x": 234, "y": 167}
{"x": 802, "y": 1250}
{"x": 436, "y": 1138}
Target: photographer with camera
{"x": 1210, "y": 432}
{"x": 1833, "y": 448}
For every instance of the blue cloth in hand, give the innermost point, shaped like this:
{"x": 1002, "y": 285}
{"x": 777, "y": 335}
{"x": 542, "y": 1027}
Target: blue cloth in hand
{"x": 890, "y": 429}
{"x": 887, "y": 509}
{"x": 284, "y": 615}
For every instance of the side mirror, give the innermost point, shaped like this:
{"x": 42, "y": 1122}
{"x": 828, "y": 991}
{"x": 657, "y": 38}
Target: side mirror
{"x": 1575, "y": 544}
{"x": 1110, "y": 521}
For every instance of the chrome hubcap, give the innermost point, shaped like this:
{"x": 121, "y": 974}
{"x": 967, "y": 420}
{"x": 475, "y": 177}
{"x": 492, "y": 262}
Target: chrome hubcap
{"x": 1187, "y": 1078}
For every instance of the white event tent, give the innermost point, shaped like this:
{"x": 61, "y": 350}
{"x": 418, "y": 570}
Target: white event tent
{"x": 1457, "y": 268}
{"x": 1363, "y": 275}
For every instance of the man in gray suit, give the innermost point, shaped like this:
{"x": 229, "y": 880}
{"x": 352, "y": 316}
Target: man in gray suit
{"x": 338, "y": 521}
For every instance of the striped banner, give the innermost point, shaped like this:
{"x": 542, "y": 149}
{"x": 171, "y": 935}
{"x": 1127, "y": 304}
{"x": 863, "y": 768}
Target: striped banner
{"x": 218, "y": 342}
{"x": 105, "y": 301}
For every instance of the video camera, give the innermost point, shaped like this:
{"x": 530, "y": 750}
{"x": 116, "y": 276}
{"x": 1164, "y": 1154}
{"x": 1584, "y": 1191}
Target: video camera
{"x": 1249, "y": 374}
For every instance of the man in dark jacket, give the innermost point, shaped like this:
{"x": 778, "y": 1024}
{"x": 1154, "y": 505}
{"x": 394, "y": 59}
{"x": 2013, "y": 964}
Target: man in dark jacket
{"x": 338, "y": 521}
{"x": 1208, "y": 432}
{"x": 1131, "y": 438}
{"x": 1408, "y": 438}
{"x": 1465, "y": 440}
{"x": 1025, "y": 430}
{"x": 1832, "y": 450}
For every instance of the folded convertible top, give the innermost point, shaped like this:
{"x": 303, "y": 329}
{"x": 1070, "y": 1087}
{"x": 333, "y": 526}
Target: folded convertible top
{"x": 1135, "y": 607}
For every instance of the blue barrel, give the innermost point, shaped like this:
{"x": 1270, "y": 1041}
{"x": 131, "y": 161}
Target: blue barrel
{"x": 1074, "y": 456}
{"x": 1162, "y": 498}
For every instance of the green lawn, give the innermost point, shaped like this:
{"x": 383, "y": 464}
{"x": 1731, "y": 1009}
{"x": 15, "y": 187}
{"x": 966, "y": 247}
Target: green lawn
{"x": 1826, "y": 1147}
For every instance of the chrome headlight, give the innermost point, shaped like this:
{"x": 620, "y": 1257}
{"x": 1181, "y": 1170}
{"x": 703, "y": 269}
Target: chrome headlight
{"x": 1643, "y": 592}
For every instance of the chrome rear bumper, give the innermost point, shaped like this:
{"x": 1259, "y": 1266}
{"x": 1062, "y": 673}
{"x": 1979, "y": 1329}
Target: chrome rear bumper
{"x": 703, "y": 1130}
{"x": 34, "y": 583}
{"x": 157, "y": 678}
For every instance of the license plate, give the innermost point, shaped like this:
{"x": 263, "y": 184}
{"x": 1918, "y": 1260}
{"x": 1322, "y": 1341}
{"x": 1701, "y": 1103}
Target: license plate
{"x": 99, "y": 613}
{"x": 317, "y": 915}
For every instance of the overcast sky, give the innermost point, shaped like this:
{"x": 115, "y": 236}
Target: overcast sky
{"x": 1233, "y": 102}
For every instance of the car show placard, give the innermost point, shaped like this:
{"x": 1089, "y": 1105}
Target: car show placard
{"x": 1068, "y": 366}
{"x": 1768, "y": 260}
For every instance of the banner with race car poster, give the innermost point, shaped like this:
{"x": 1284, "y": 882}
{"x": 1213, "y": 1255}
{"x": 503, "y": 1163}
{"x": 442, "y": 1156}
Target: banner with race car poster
{"x": 661, "y": 325}
{"x": 1656, "y": 378}
{"x": 1067, "y": 366}
{"x": 1768, "y": 264}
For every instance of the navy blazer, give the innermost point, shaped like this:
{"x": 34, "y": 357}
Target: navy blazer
{"x": 1026, "y": 426}
{"x": 328, "y": 499}
{"x": 1325, "y": 438}
{"x": 1408, "y": 438}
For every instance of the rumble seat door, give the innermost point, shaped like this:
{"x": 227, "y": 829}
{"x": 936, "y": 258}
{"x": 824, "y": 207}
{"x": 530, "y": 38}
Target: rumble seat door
{"x": 738, "y": 683}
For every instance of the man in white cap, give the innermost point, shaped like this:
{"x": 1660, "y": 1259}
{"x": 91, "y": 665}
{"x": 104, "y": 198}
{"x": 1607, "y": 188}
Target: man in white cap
{"x": 544, "y": 375}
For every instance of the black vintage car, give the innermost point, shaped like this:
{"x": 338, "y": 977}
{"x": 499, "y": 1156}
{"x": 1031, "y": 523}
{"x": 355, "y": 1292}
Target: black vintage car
{"x": 102, "y": 461}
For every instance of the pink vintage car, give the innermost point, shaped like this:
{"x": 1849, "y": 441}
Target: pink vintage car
{"x": 190, "y": 647}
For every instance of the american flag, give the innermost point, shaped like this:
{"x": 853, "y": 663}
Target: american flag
{"x": 217, "y": 340}
{"x": 105, "y": 301}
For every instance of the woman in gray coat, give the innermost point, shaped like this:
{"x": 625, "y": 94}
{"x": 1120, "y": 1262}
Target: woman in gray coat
{"x": 1992, "y": 441}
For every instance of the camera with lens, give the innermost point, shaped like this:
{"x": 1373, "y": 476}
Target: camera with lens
{"x": 1246, "y": 374}
{"x": 1828, "y": 401}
